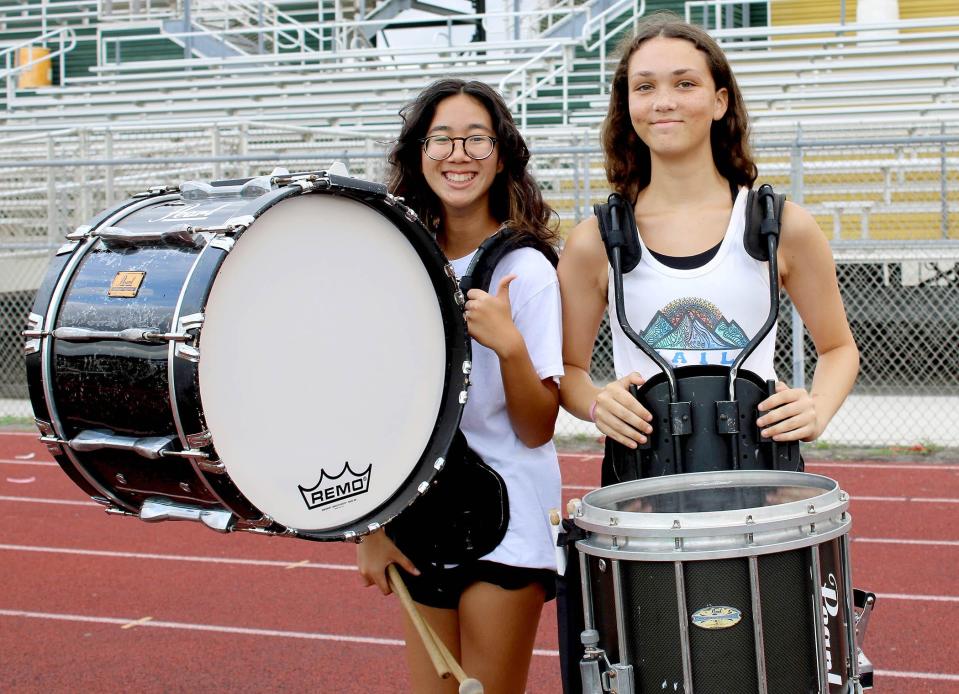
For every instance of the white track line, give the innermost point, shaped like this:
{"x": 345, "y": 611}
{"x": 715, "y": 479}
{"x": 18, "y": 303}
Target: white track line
{"x": 919, "y": 598}
{"x": 153, "y": 624}
{"x": 37, "y": 500}
{"x": 896, "y": 541}
{"x": 316, "y": 565}
{"x": 175, "y": 557}
{"x": 945, "y": 467}
{"x": 918, "y": 675}
{"x": 41, "y": 463}
{"x": 186, "y": 626}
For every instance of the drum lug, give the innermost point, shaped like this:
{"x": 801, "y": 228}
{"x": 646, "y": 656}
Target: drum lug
{"x": 193, "y": 321}
{"x": 215, "y": 468}
{"x": 224, "y": 243}
{"x": 34, "y": 331}
{"x": 263, "y": 521}
{"x": 159, "y": 509}
{"x": 49, "y": 437}
{"x": 199, "y": 440}
{"x": 153, "y": 191}
{"x": 68, "y": 247}
{"x": 457, "y": 292}
{"x": 81, "y": 232}
{"x": 150, "y": 447}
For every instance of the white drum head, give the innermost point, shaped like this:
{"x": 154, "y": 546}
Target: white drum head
{"x": 323, "y": 359}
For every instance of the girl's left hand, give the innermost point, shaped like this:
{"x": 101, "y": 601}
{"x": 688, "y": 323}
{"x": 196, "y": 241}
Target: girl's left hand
{"x": 789, "y": 415}
{"x": 489, "y": 318}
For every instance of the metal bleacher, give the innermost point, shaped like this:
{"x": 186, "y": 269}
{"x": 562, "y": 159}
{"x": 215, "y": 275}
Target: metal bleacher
{"x": 143, "y": 83}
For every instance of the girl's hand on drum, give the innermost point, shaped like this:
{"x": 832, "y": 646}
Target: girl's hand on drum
{"x": 489, "y": 319}
{"x": 621, "y": 416}
{"x": 789, "y": 415}
{"x": 374, "y": 554}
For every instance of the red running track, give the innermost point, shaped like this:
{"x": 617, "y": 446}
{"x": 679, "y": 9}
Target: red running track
{"x": 96, "y": 603}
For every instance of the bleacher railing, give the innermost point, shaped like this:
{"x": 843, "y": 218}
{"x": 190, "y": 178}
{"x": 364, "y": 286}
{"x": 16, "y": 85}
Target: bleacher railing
{"x": 42, "y": 16}
{"x": 64, "y": 38}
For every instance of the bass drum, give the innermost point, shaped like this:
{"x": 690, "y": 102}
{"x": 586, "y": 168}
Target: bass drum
{"x": 284, "y": 355}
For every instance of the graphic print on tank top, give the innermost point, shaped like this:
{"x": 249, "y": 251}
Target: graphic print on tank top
{"x": 699, "y": 316}
{"x": 693, "y": 323}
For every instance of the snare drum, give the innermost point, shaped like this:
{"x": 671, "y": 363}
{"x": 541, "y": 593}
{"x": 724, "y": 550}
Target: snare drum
{"x": 282, "y": 355}
{"x": 718, "y": 583}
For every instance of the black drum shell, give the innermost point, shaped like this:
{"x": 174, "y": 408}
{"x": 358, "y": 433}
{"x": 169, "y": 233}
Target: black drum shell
{"x": 723, "y": 661}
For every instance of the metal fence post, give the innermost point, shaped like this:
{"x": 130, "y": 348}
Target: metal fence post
{"x": 52, "y": 224}
{"x": 943, "y": 176}
{"x": 82, "y": 190}
{"x": 798, "y": 329}
{"x": 217, "y": 165}
{"x": 586, "y": 176}
{"x": 109, "y": 170}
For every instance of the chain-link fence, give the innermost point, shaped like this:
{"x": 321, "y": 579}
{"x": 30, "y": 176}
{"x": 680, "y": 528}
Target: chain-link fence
{"x": 888, "y": 200}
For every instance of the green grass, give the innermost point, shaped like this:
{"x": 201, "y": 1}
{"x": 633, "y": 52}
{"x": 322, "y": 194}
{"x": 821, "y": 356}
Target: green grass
{"x": 11, "y": 422}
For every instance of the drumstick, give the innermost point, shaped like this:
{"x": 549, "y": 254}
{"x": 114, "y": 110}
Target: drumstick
{"x": 422, "y": 628}
{"x": 443, "y": 660}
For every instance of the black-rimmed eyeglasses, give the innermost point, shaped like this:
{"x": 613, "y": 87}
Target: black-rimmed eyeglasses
{"x": 440, "y": 147}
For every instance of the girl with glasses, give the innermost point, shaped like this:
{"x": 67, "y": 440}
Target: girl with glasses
{"x": 675, "y": 141}
{"x": 461, "y": 165}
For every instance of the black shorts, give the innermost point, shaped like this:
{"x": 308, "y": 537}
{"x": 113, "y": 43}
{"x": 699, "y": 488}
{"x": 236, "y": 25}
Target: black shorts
{"x": 440, "y": 587}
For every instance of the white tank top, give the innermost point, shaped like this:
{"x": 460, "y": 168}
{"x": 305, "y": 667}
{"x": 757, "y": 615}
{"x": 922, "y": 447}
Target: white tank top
{"x": 701, "y": 316}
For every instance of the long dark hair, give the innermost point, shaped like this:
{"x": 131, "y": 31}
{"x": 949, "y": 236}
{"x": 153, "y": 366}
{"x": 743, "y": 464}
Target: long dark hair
{"x": 628, "y": 167}
{"x": 514, "y": 198}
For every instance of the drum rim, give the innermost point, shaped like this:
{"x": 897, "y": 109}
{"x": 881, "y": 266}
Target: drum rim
{"x": 631, "y": 551}
{"x": 593, "y": 517}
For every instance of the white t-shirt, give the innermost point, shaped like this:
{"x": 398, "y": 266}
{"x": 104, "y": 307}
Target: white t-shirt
{"x": 695, "y": 317}
{"x": 531, "y": 474}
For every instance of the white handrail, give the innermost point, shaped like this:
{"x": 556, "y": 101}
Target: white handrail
{"x": 9, "y": 56}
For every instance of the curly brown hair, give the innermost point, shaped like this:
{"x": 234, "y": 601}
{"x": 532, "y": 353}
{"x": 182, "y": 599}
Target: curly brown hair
{"x": 514, "y": 198}
{"x": 628, "y": 167}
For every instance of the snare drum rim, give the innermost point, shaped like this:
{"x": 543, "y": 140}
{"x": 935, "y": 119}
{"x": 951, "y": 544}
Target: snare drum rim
{"x": 629, "y": 552}
{"x": 594, "y": 517}
{"x": 640, "y": 536}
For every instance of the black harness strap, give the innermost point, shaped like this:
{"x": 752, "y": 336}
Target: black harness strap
{"x": 492, "y": 250}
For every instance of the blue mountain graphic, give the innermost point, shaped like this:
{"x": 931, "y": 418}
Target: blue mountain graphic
{"x": 692, "y": 333}
{"x": 658, "y": 328}
{"x": 732, "y": 333}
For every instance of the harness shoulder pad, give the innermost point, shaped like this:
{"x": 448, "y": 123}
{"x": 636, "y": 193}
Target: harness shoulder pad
{"x": 752, "y": 238}
{"x": 491, "y": 251}
{"x": 617, "y": 227}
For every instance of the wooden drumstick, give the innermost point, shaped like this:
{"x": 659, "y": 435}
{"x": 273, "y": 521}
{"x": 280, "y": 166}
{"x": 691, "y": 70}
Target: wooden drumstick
{"x": 422, "y": 628}
{"x": 443, "y": 660}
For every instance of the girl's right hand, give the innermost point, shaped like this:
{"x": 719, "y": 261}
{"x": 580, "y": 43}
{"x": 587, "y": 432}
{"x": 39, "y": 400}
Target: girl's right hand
{"x": 621, "y": 416}
{"x": 374, "y": 554}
